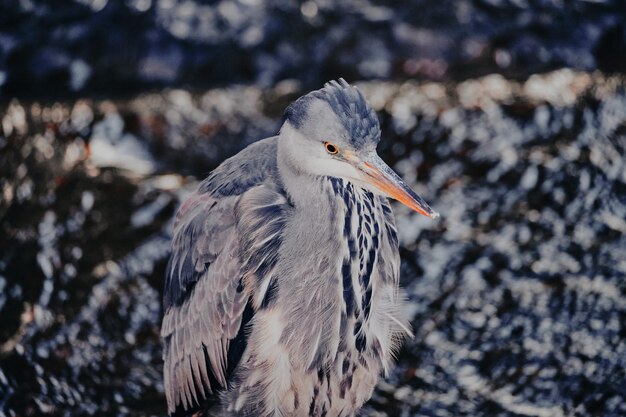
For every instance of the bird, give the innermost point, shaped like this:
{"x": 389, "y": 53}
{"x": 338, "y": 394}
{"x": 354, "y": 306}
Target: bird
{"x": 282, "y": 292}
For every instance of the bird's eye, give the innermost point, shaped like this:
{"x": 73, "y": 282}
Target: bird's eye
{"x": 330, "y": 148}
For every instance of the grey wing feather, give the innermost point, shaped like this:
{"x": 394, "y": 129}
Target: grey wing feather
{"x": 225, "y": 234}
{"x": 204, "y": 300}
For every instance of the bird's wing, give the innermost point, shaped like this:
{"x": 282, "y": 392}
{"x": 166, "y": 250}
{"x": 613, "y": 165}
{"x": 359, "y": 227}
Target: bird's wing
{"x": 203, "y": 307}
{"x": 224, "y": 248}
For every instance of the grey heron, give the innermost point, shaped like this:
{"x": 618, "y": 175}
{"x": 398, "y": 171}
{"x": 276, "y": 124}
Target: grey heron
{"x": 281, "y": 295}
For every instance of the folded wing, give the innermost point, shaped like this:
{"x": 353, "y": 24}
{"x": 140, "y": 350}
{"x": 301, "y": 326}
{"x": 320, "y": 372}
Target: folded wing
{"x": 223, "y": 254}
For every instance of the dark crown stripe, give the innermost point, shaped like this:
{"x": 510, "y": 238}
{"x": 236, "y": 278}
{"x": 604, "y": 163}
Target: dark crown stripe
{"x": 347, "y": 102}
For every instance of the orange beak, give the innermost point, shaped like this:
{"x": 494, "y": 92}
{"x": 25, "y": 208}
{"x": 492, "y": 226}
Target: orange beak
{"x": 389, "y": 183}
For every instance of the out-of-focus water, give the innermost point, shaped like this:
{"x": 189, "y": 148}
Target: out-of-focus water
{"x": 82, "y": 47}
{"x": 518, "y": 292}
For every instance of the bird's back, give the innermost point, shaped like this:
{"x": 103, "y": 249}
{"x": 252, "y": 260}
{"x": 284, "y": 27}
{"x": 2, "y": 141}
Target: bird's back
{"x": 254, "y": 165}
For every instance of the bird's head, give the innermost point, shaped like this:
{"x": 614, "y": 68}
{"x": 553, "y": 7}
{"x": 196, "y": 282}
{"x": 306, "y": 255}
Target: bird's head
{"x": 334, "y": 132}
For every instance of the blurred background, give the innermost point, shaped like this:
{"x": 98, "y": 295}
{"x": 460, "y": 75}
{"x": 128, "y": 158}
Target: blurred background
{"x": 508, "y": 116}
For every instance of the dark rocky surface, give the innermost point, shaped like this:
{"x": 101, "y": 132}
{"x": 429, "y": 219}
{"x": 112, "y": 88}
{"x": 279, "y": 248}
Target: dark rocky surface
{"x": 74, "y": 47}
{"x": 518, "y": 293}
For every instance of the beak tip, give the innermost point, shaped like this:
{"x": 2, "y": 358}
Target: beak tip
{"x": 434, "y": 215}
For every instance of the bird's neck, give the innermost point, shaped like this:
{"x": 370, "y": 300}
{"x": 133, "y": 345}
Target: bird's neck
{"x": 301, "y": 187}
